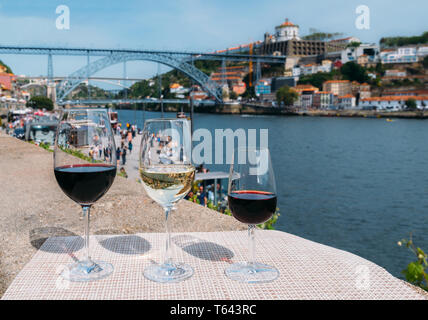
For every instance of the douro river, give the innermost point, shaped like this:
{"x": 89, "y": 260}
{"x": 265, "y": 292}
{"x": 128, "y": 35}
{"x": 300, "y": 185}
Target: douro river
{"x": 355, "y": 184}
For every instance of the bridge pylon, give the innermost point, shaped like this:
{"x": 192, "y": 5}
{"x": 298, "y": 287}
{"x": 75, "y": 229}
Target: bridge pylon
{"x": 51, "y": 92}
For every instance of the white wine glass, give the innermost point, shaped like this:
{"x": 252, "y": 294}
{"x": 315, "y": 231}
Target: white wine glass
{"x": 167, "y": 174}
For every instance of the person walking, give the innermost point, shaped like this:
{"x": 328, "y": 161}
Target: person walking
{"x": 130, "y": 147}
{"x": 202, "y": 196}
{"x": 118, "y": 153}
{"x": 124, "y": 156}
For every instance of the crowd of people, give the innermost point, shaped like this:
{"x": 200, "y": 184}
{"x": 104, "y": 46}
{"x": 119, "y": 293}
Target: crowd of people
{"x": 127, "y": 135}
{"x": 205, "y": 193}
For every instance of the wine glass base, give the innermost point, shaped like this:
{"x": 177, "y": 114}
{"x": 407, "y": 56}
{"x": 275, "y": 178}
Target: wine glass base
{"x": 83, "y": 271}
{"x": 251, "y": 273}
{"x": 168, "y": 272}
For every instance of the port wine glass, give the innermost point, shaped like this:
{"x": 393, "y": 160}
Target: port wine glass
{"x": 252, "y": 200}
{"x": 85, "y": 168}
{"x": 167, "y": 174}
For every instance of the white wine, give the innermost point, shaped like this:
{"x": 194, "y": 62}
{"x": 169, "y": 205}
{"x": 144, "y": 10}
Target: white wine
{"x": 167, "y": 184}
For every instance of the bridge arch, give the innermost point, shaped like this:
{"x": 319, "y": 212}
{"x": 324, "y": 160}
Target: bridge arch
{"x": 42, "y": 86}
{"x": 74, "y": 79}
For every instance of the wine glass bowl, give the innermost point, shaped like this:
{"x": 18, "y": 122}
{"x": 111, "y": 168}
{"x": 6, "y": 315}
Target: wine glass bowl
{"x": 167, "y": 174}
{"x": 252, "y": 200}
{"x": 85, "y": 168}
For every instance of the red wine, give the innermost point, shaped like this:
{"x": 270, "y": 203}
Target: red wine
{"x": 85, "y": 183}
{"x": 252, "y": 207}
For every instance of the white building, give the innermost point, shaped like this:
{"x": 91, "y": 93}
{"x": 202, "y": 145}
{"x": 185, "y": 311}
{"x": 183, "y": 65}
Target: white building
{"x": 392, "y": 103}
{"x": 296, "y": 71}
{"x": 307, "y": 69}
{"x": 395, "y": 73}
{"x": 352, "y": 53}
{"x": 346, "y": 102}
{"x": 422, "y": 51}
{"x": 286, "y": 31}
{"x": 178, "y": 89}
{"x": 400, "y": 55}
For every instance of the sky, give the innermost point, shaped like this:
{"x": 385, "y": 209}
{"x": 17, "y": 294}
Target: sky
{"x": 191, "y": 25}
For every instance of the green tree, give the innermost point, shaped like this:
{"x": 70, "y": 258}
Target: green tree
{"x": 249, "y": 93}
{"x": 142, "y": 89}
{"x": 353, "y": 44}
{"x": 321, "y": 36}
{"x": 403, "y": 41}
{"x": 317, "y": 79}
{"x": 411, "y": 105}
{"x": 354, "y": 72}
{"x": 380, "y": 69}
{"x": 286, "y": 95}
{"x": 233, "y": 95}
{"x": 425, "y": 62}
{"x": 40, "y": 102}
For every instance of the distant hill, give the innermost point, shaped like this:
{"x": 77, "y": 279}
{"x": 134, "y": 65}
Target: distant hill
{"x": 403, "y": 41}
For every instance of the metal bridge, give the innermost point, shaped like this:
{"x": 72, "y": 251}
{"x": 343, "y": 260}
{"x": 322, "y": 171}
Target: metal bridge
{"x": 131, "y": 101}
{"x": 180, "y": 60}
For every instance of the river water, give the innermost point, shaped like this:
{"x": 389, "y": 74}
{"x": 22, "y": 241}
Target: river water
{"x": 355, "y": 184}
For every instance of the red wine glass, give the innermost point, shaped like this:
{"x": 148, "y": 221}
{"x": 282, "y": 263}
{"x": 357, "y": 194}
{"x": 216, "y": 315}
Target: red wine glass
{"x": 85, "y": 168}
{"x": 252, "y": 200}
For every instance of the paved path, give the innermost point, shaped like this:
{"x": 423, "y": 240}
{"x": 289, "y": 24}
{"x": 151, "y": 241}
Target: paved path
{"x": 132, "y": 163}
{"x": 32, "y": 208}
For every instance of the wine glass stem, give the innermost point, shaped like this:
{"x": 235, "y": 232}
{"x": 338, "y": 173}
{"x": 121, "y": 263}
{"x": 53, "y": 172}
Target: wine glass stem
{"x": 252, "y": 244}
{"x": 167, "y": 257}
{"x": 86, "y": 214}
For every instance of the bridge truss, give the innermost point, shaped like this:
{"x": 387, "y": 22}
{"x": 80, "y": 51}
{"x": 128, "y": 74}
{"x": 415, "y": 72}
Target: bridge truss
{"x": 180, "y": 60}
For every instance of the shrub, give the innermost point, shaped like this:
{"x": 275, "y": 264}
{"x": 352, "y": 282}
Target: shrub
{"x": 416, "y": 271}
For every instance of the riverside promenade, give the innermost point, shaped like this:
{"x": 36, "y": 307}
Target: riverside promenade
{"x": 33, "y": 208}
{"x": 132, "y": 163}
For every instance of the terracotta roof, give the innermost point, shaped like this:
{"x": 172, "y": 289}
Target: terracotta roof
{"x": 346, "y": 96}
{"x": 336, "y": 81}
{"x": 304, "y": 86}
{"x": 287, "y": 24}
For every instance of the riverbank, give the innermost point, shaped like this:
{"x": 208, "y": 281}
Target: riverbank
{"x": 34, "y": 208}
{"x": 251, "y": 109}
{"x": 365, "y": 114}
